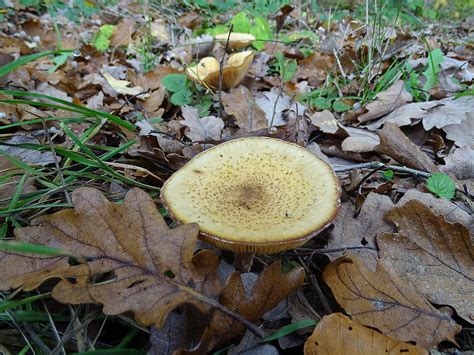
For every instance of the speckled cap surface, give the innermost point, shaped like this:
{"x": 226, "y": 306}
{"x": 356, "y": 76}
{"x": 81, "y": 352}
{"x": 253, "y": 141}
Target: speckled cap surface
{"x": 256, "y": 194}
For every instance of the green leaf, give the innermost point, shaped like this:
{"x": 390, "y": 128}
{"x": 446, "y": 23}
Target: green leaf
{"x": 441, "y": 185}
{"x": 174, "y": 82}
{"x": 241, "y": 23}
{"x": 261, "y": 31}
{"x": 340, "y": 106}
{"x": 387, "y": 175}
{"x": 102, "y": 38}
{"x": 435, "y": 59}
{"x": 181, "y": 98}
{"x": 321, "y": 103}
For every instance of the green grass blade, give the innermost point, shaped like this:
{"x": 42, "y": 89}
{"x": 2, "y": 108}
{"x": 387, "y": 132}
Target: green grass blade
{"x": 7, "y": 68}
{"x": 290, "y": 328}
{"x": 29, "y": 248}
{"x": 6, "y": 305}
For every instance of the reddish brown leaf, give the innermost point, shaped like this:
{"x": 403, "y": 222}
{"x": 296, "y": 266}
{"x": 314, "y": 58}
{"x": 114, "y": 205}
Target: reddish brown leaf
{"x": 241, "y": 104}
{"x": 380, "y": 300}
{"x": 432, "y": 254}
{"x": 395, "y": 144}
{"x": 337, "y": 334}
{"x": 153, "y": 267}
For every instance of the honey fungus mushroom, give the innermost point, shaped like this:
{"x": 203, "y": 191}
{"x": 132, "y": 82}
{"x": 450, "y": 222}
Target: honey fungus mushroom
{"x": 207, "y": 72}
{"x": 254, "y": 195}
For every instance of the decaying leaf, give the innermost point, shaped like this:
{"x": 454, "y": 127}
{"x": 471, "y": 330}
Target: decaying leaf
{"x": 201, "y": 129}
{"x": 273, "y": 105}
{"x": 386, "y": 102}
{"x": 271, "y": 288}
{"x": 11, "y": 175}
{"x": 360, "y": 231}
{"x": 241, "y": 104}
{"x": 461, "y": 133}
{"x": 122, "y": 86}
{"x": 395, "y": 144}
{"x": 432, "y": 254}
{"x": 337, "y": 334}
{"x": 153, "y": 269}
{"x": 325, "y": 121}
{"x": 359, "y": 140}
{"x": 381, "y": 300}
{"x": 28, "y": 156}
{"x": 461, "y": 165}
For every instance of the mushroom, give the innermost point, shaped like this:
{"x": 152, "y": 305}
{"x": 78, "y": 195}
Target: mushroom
{"x": 236, "y": 40}
{"x": 206, "y": 72}
{"x": 254, "y": 195}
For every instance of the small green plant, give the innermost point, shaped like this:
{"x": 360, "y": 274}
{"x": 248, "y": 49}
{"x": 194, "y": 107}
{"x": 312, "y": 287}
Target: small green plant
{"x": 387, "y": 175}
{"x": 441, "y": 185}
{"x": 185, "y": 93}
{"x": 286, "y": 67}
{"x": 326, "y": 99}
{"x": 102, "y": 38}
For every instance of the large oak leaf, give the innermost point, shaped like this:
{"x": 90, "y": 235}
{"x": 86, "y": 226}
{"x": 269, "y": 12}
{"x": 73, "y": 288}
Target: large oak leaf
{"x": 381, "y": 300}
{"x": 337, "y": 334}
{"x": 434, "y": 255}
{"x": 153, "y": 267}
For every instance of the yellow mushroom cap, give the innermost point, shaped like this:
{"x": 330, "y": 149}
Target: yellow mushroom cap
{"x": 236, "y": 40}
{"x": 256, "y": 194}
{"x": 234, "y": 70}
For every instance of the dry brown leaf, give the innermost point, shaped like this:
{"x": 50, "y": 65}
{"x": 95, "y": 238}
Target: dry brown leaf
{"x": 270, "y": 289}
{"x": 154, "y": 269}
{"x": 461, "y": 133}
{"x": 337, "y": 334}
{"x": 325, "y": 121}
{"x": 123, "y": 32}
{"x": 359, "y": 140}
{"x": 122, "y": 86}
{"x": 11, "y": 175}
{"x": 273, "y": 104}
{"x": 432, "y": 254}
{"x": 241, "y": 104}
{"x": 381, "y": 300}
{"x": 386, "y": 102}
{"x": 360, "y": 231}
{"x": 395, "y": 144}
{"x": 461, "y": 165}
{"x": 201, "y": 129}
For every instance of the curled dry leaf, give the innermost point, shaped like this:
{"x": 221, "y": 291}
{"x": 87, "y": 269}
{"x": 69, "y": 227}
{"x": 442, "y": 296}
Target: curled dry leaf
{"x": 432, "y": 254}
{"x": 381, "y": 300}
{"x": 122, "y": 86}
{"x": 337, "y": 334}
{"x": 360, "y": 231}
{"x": 270, "y": 289}
{"x": 395, "y": 144}
{"x": 234, "y": 70}
{"x": 201, "y": 129}
{"x": 154, "y": 269}
{"x": 386, "y": 102}
{"x": 241, "y": 104}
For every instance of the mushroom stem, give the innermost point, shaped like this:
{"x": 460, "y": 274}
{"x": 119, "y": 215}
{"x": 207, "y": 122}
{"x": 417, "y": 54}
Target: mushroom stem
{"x": 243, "y": 261}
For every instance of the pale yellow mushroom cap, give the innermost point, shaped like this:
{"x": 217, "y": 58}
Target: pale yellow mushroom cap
{"x": 256, "y": 194}
{"x": 234, "y": 70}
{"x": 236, "y": 40}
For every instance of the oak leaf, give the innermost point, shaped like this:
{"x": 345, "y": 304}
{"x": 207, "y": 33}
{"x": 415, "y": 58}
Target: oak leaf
{"x": 201, "y": 129}
{"x": 432, "y": 254}
{"x": 241, "y": 104}
{"x": 153, "y": 267}
{"x": 381, "y": 300}
{"x": 270, "y": 289}
{"x": 337, "y": 334}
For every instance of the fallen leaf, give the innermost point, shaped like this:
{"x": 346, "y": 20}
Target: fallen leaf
{"x": 337, "y": 334}
{"x": 28, "y": 156}
{"x": 432, "y": 254}
{"x": 271, "y": 287}
{"x": 122, "y": 35}
{"x": 432, "y": 113}
{"x": 46, "y": 89}
{"x": 461, "y": 165}
{"x": 153, "y": 267}
{"x": 360, "y": 231}
{"x": 11, "y": 175}
{"x": 325, "y": 121}
{"x": 381, "y": 300}
{"x": 273, "y": 105}
{"x": 121, "y": 86}
{"x": 386, "y": 102}
{"x": 462, "y": 134}
{"x": 241, "y": 104}
{"x": 201, "y": 129}
{"x": 360, "y": 140}
{"x": 395, "y": 144}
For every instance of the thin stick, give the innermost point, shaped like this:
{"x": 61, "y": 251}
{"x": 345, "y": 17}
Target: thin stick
{"x": 378, "y": 165}
{"x": 221, "y": 69}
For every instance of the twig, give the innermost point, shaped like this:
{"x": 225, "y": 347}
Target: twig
{"x": 280, "y": 92}
{"x": 378, "y": 165}
{"x": 221, "y": 69}
{"x": 314, "y": 283}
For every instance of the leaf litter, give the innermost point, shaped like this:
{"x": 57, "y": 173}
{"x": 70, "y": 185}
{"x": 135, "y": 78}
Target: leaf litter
{"x": 385, "y": 125}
